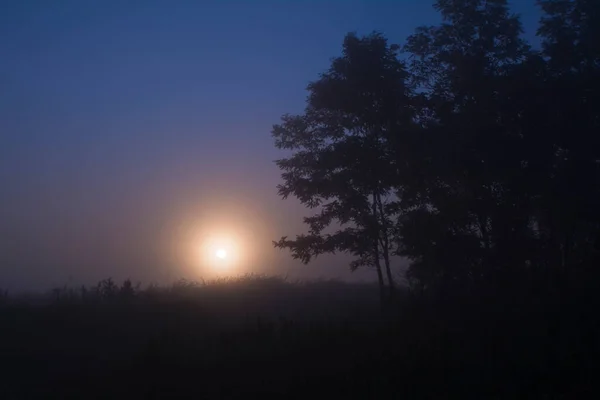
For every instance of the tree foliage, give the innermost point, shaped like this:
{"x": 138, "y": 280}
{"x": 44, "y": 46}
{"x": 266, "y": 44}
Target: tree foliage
{"x": 477, "y": 160}
{"x": 340, "y": 165}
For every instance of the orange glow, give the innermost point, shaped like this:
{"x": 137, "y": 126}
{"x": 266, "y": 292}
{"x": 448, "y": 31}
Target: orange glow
{"x": 220, "y": 253}
{"x": 220, "y": 238}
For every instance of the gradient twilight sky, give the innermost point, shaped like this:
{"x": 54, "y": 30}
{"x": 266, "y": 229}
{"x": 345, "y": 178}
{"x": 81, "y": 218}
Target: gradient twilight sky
{"x": 131, "y": 130}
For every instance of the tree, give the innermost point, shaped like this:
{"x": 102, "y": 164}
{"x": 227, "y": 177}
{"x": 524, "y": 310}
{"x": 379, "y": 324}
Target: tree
{"x": 482, "y": 164}
{"x": 570, "y": 194}
{"x": 472, "y": 218}
{"x": 570, "y": 31}
{"x": 340, "y": 164}
{"x": 512, "y": 172}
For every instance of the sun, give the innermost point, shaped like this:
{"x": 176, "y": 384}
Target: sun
{"x": 221, "y": 254}
{"x": 218, "y": 253}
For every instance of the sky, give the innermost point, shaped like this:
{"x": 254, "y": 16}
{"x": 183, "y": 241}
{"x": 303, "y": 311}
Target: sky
{"x": 131, "y": 132}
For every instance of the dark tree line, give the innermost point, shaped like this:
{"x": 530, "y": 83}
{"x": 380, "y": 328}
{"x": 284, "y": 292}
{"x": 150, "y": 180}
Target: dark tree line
{"x": 466, "y": 151}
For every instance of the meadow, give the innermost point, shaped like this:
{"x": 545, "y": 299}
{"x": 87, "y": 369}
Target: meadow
{"x": 265, "y": 336}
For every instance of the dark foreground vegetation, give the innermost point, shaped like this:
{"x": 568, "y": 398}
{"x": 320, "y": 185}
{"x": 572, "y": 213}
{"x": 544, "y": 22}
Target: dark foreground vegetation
{"x": 263, "y": 336}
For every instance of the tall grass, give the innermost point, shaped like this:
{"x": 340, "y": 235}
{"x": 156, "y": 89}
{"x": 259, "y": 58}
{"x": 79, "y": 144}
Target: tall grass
{"x": 260, "y": 335}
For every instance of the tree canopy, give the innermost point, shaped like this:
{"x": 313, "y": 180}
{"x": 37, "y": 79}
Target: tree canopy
{"x": 476, "y": 158}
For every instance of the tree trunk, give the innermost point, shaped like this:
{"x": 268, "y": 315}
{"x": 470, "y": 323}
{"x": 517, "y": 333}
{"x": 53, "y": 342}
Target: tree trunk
{"x": 386, "y": 259}
{"x": 379, "y": 276}
{"x": 386, "y": 247}
{"x": 376, "y": 253}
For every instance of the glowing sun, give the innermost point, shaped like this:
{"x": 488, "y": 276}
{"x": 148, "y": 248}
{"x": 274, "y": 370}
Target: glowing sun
{"x": 221, "y": 254}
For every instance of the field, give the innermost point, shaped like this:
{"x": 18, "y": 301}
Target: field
{"x": 263, "y": 336}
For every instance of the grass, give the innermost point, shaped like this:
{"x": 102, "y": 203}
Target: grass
{"x": 265, "y": 336}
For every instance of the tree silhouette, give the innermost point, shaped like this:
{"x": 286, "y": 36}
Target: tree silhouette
{"x": 485, "y": 166}
{"x": 471, "y": 212}
{"x": 570, "y": 192}
{"x": 511, "y": 168}
{"x": 341, "y": 164}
